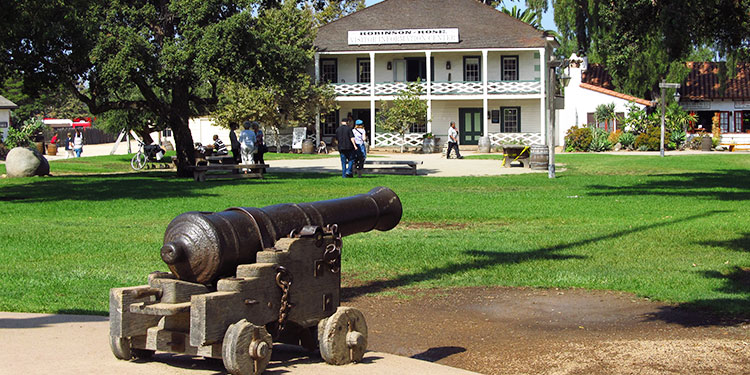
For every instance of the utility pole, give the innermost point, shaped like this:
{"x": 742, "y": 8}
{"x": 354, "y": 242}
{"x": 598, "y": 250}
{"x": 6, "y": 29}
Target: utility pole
{"x": 664, "y": 86}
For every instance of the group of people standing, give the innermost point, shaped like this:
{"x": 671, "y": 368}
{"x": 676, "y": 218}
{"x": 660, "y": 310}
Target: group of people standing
{"x": 249, "y": 147}
{"x": 352, "y": 147}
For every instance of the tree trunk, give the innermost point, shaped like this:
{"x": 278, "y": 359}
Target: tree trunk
{"x": 145, "y": 136}
{"x": 179, "y": 115}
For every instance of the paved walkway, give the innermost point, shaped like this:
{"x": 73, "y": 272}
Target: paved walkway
{"x": 79, "y": 344}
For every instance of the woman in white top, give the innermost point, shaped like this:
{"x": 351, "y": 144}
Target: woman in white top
{"x": 78, "y": 143}
{"x": 247, "y": 144}
{"x": 360, "y": 138}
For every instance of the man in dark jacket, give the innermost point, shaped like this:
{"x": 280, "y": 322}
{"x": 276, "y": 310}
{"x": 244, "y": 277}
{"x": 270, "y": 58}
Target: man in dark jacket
{"x": 347, "y": 148}
{"x": 234, "y": 143}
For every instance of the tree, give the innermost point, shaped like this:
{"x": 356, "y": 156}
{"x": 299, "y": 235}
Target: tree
{"x": 171, "y": 54}
{"x": 286, "y": 95}
{"x": 604, "y": 113}
{"x": 640, "y": 40}
{"x": 405, "y": 110}
{"x": 331, "y": 10}
{"x": 55, "y": 102}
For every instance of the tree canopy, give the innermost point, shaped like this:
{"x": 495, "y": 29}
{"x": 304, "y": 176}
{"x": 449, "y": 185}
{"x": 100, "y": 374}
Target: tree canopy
{"x": 166, "y": 58}
{"x": 643, "y": 41}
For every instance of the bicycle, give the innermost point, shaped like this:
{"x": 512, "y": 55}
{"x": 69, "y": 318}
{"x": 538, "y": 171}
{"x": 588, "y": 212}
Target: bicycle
{"x": 146, "y": 154}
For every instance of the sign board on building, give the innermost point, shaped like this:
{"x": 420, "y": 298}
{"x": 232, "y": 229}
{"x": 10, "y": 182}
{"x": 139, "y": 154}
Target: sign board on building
{"x": 742, "y": 105}
{"x": 3, "y": 124}
{"x": 696, "y": 105}
{"x": 403, "y": 36}
{"x": 298, "y": 135}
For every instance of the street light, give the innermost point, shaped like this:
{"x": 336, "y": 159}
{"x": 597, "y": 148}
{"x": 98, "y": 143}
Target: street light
{"x": 664, "y": 86}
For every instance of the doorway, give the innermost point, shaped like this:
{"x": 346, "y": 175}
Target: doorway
{"x": 470, "y": 125}
{"x": 364, "y": 115}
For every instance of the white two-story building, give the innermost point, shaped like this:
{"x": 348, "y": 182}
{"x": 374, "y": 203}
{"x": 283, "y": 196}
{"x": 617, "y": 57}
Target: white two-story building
{"x": 479, "y": 67}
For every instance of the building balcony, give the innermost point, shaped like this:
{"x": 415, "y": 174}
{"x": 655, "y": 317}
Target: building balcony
{"x": 442, "y": 88}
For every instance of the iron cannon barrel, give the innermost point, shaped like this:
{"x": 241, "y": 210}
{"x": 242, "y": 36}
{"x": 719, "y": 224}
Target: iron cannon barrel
{"x": 205, "y": 246}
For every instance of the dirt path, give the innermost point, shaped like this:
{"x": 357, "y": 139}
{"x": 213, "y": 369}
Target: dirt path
{"x": 539, "y": 331}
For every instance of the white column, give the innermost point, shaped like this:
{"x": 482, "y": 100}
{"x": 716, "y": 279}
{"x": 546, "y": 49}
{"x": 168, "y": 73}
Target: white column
{"x": 429, "y": 91}
{"x": 544, "y": 69}
{"x": 429, "y": 115}
{"x": 317, "y": 109}
{"x": 485, "y": 106}
{"x": 372, "y": 122}
{"x": 372, "y": 74}
{"x": 372, "y": 99}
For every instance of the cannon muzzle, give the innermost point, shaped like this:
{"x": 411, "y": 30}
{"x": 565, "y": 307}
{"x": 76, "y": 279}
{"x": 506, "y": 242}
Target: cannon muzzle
{"x": 202, "y": 247}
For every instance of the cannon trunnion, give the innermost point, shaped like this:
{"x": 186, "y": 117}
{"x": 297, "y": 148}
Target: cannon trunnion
{"x": 282, "y": 288}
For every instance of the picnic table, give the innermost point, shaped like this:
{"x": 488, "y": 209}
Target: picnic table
{"x": 512, "y": 153}
{"x": 390, "y": 166}
{"x": 203, "y": 172}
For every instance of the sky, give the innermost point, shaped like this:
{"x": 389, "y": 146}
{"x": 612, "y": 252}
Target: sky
{"x": 548, "y": 21}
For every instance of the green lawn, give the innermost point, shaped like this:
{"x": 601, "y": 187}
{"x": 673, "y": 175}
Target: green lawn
{"x": 674, "y": 229}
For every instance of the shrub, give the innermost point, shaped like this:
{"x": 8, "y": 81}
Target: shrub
{"x": 627, "y": 140}
{"x": 677, "y": 139}
{"x": 578, "y": 139}
{"x": 650, "y": 139}
{"x": 599, "y": 140}
{"x": 614, "y": 137}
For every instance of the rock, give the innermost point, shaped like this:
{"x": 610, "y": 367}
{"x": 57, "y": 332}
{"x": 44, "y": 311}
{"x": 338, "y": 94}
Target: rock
{"x": 24, "y": 162}
{"x": 618, "y": 147}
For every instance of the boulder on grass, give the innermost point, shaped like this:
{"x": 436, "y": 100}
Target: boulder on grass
{"x": 25, "y": 162}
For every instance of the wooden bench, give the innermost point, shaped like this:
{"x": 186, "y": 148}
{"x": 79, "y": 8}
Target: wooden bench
{"x": 732, "y": 146}
{"x": 201, "y": 172}
{"x": 389, "y": 166}
{"x": 519, "y": 153}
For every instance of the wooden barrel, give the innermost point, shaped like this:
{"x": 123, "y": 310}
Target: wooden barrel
{"x": 51, "y": 149}
{"x": 308, "y": 146}
{"x": 539, "y": 157}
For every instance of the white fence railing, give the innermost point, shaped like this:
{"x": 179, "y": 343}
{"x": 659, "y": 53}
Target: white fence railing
{"x": 394, "y": 139}
{"x": 497, "y": 139}
{"x": 442, "y": 88}
{"x": 514, "y": 87}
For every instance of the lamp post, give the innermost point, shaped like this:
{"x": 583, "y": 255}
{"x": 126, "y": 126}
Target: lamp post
{"x": 664, "y": 86}
{"x": 552, "y": 107}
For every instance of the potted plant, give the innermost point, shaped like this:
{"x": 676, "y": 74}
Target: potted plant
{"x": 428, "y": 143}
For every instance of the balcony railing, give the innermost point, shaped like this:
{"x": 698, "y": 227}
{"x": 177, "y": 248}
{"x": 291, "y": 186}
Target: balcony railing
{"x": 442, "y": 88}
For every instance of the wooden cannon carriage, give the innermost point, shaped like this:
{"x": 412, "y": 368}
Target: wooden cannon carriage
{"x": 280, "y": 288}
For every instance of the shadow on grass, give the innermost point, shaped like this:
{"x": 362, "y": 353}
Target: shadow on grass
{"x": 726, "y": 185}
{"x": 144, "y": 185}
{"x": 485, "y": 259}
{"x": 741, "y": 243}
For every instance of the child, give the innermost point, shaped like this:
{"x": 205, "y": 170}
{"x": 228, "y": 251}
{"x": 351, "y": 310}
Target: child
{"x": 219, "y": 147}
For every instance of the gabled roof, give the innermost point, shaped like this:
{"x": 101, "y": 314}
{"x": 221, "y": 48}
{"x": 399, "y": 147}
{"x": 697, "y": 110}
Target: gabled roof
{"x": 480, "y": 26}
{"x": 704, "y": 83}
{"x": 7, "y": 104}
{"x": 616, "y": 94}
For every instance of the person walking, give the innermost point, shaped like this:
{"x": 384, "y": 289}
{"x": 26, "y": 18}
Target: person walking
{"x": 234, "y": 143}
{"x": 260, "y": 146}
{"x": 360, "y": 139}
{"x": 69, "y": 147}
{"x": 247, "y": 144}
{"x": 453, "y": 141}
{"x": 78, "y": 142}
{"x": 347, "y": 148}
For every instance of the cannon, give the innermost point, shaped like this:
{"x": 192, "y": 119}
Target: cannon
{"x": 244, "y": 278}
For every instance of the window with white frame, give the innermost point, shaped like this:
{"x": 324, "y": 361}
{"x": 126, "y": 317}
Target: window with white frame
{"x": 509, "y": 67}
{"x": 363, "y": 70}
{"x": 510, "y": 119}
{"x": 418, "y": 128}
{"x": 472, "y": 69}
{"x": 329, "y": 122}
{"x": 329, "y": 70}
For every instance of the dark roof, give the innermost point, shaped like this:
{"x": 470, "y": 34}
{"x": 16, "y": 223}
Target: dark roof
{"x": 7, "y": 104}
{"x": 597, "y": 75}
{"x": 479, "y": 26}
{"x": 703, "y": 82}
